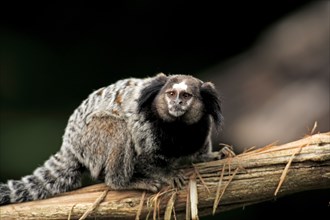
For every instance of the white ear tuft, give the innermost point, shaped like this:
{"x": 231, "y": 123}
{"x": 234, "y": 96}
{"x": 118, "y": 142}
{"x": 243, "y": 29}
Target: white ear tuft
{"x": 161, "y": 74}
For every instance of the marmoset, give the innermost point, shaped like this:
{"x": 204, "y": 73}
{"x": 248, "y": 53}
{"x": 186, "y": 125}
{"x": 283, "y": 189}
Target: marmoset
{"x": 131, "y": 134}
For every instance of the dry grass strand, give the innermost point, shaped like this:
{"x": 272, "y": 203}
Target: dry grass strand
{"x": 193, "y": 197}
{"x": 170, "y": 206}
{"x": 224, "y": 189}
{"x": 217, "y": 195}
{"x": 188, "y": 216}
{"x": 71, "y": 211}
{"x": 95, "y": 205}
{"x": 201, "y": 179}
{"x": 138, "y": 213}
{"x": 286, "y": 169}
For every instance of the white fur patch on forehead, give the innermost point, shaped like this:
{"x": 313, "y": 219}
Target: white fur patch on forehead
{"x": 180, "y": 86}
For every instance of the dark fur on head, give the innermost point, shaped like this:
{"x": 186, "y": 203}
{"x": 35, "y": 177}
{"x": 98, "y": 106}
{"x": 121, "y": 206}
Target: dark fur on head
{"x": 149, "y": 93}
{"x": 212, "y": 103}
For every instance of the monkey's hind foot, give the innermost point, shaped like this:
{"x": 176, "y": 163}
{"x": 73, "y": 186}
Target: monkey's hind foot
{"x": 178, "y": 180}
{"x": 150, "y": 185}
{"x": 174, "y": 179}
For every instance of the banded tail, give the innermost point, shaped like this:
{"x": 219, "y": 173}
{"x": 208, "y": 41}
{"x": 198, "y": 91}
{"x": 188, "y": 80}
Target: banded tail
{"x": 60, "y": 173}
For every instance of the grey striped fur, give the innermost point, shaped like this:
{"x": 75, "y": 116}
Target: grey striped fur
{"x": 115, "y": 137}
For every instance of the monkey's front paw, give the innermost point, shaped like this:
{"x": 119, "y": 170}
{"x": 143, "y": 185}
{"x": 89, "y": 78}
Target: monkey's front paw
{"x": 226, "y": 151}
{"x": 176, "y": 180}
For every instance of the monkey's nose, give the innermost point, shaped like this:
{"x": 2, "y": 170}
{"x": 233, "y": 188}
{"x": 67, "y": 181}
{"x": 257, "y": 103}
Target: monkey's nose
{"x": 178, "y": 101}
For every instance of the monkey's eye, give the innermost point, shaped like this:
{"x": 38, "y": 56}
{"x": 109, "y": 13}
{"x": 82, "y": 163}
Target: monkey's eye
{"x": 186, "y": 95}
{"x": 171, "y": 93}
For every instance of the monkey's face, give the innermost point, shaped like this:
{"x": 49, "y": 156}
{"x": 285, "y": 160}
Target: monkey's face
{"x": 180, "y": 99}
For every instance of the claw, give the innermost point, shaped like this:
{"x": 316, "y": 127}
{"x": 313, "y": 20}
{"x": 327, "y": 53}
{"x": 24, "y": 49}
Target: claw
{"x": 151, "y": 185}
{"x": 226, "y": 151}
{"x": 178, "y": 180}
{"x": 155, "y": 185}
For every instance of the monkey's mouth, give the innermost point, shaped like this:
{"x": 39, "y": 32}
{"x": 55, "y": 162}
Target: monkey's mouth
{"x": 176, "y": 111}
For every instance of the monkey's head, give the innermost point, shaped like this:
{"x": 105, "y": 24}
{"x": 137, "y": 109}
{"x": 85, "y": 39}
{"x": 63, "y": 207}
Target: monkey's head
{"x": 181, "y": 98}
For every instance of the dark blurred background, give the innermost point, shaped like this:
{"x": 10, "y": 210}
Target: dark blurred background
{"x": 269, "y": 61}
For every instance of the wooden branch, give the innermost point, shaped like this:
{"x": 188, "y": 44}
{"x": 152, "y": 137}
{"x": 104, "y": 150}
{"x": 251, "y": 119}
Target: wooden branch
{"x": 245, "y": 179}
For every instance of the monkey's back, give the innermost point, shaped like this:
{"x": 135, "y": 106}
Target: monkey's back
{"x": 118, "y": 100}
